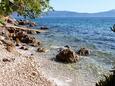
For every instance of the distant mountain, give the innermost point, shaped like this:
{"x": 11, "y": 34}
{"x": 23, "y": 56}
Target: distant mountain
{"x": 110, "y": 13}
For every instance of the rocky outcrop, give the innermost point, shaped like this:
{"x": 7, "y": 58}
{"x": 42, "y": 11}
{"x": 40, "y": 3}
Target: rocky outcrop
{"x": 83, "y": 52}
{"x": 22, "y": 36}
{"x": 26, "y": 22}
{"x": 67, "y": 56}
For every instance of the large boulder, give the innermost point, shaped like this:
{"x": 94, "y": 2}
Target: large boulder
{"x": 67, "y": 56}
{"x": 84, "y": 52}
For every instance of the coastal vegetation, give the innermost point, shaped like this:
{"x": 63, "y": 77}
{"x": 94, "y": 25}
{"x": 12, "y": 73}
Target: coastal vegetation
{"x": 30, "y": 8}
{"x": 15, "y": 39}
{"x": 108, "y": 80}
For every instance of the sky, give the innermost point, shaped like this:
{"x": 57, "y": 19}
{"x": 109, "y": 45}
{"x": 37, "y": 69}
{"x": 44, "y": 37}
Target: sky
{"x": 89, "y": 6}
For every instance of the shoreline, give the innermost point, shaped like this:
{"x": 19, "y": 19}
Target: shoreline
{"x": 74, "y": 74}
{"x": 18, "y": 66}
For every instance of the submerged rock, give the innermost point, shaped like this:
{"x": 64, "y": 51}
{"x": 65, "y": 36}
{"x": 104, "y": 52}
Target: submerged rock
{"x": 44, "y": 28}
{"x": 84, "y": 52}
{"x": 67, "y": 55}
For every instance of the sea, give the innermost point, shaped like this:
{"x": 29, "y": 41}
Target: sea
{"x": 93, "y": 33}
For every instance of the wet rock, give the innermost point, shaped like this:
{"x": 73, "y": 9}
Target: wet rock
{"x": 42, "y": 50}
{"x": 84, "y": 52}
{"x": 44, "y": 28}
{"x": 67, "y": 56}
{"x": 32, "y": 24}
{"x": 26, "y": 22}
{"x": 37, "y": 32}
{"x": 31, "y": 32}
{"x": 22, "y": 22}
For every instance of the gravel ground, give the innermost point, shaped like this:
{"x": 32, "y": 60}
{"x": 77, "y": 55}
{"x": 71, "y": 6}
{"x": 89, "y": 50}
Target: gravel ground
{"x": 18, "y": 69}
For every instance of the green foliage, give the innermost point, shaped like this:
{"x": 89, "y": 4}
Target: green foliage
{"x": 109, "y": 81}
{"x": 1, "y": 22}
{"x": 30, "y": 8}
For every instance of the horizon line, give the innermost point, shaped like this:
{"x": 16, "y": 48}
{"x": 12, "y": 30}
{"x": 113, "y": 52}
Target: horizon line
{"x": 84, "y": 12}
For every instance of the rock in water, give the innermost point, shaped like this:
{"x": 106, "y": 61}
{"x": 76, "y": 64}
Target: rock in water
{"x": 84, "y": 52}
{"x": 42, "y": 50}
{"x": 44, "y": 28}
{"x": 67, "y": 56}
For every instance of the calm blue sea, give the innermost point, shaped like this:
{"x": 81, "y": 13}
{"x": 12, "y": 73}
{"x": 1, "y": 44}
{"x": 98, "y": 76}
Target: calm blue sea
{"x": 92, "y": 33}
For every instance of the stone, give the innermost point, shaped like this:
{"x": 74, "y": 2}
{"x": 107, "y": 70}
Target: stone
{"x": 42, "y": 50}
{"x": 11, "y": 20}
{"x": 67, "y": 56}
{"x": 10, "y": 46}
{"x": 21, "y": 22}
{"x": 24, "y": 48}
{"x": 44, "y": 28}
{"x": 32, "y": 24}
{"x": 31, "y": 32}
{"x": 17, "y": 42}
{"x": 84, "y": 52}
{"x": 35, "y": 43}
{"x": 2, "y": 38}
{"x": 6, "y": 60}
{"x": 37, "y": 32}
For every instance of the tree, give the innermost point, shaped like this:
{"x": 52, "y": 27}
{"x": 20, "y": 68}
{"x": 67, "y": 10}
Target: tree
{"x": 30, "y": 8}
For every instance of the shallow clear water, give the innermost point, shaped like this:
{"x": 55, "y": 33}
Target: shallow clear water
{"x": 93, "y": 33}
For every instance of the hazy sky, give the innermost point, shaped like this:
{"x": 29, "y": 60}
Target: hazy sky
{"x": 90, "y": 6}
